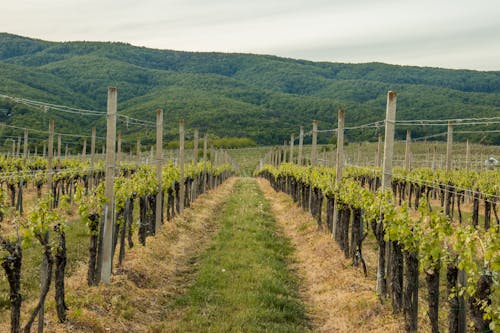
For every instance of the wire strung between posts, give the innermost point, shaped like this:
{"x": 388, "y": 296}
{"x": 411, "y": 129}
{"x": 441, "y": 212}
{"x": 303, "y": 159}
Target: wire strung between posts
{"x": 454, "y": 124}
{"x": 68, "y": 109}
{"x": 425, "y": 122}
{"x": 446, "y": 121}
{"x": 429, "y": 136}
{"x": 376, "y": 124}
{"x": 55, "y": 133}
{"x": 432, "y": 184}
{"x": 46, "y": 106}
{"x": 134, "y": 121}
{"x": 454, "y": 132}
{"x": 6, "y": 175}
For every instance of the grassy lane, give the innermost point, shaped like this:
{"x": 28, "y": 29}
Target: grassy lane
{"x": 243, "y": 283}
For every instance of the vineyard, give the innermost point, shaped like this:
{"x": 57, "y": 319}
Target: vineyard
{"x": 418, "y": 219}
{"x": 427, "y": 211}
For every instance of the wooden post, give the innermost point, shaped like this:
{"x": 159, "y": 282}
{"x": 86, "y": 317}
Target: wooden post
{"x": 119, "y": 151}
{"x": 18, "y": 153}
{"x": 407, "y": 166}
{"x": 66, "y": 151}
{"x": 292, "y": 139}
{"x": 92, "y": 157}
{"x": 379, "y": 151}
{"x": 44, "y": 150}
{"x": 462, "y": 280}
{"x": 332, "y": 157}
{"x": 44, "y": 267}
{"x": 25, "y": 143}
{"x": 138, "y": 150}
{"x": 301, "y": 143}
{"x": 314, "y": 149}
{"x": 50, "y": 156}
{"x": 181, "y": 164}
{"x": 390, "y": 118}
{"x": 427, "y": 155}
{"x": 205, "y": 147}
{"x": 13, "y": 147}
{"x": 195, "y": 148}
{"x": 467, "y": 157}
{"x": 449, "y": 144}
{"x": 59, "y": 146}
{"x": 339, "y": 166}
{"x": 159, "y": 166}
{"x": 84, "y": 150}
{"x": 340, "y": 147}
{"x": 107, "y": 259}
{"x": 358, "y": 157}
{"x": 433, "y": 166}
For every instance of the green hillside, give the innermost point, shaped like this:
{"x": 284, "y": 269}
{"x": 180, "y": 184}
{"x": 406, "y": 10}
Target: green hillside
{"x": 264, "y": 98}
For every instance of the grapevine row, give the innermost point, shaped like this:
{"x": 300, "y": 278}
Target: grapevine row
{"x": 73, "y": 181}
{"x": 407, "y": 242}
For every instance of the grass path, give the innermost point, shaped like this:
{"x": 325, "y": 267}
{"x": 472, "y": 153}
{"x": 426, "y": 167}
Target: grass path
{"x": 244, "y": 283}
{"x": 221, "y": 266}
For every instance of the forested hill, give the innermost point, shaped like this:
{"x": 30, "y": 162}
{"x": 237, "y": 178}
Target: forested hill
{"x": 264, "y": 98}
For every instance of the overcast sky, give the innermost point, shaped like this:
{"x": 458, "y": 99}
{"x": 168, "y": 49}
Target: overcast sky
{"x": 447, "y": 33}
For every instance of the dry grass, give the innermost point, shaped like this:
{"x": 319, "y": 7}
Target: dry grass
{"x": 150, "y": 277}
{"x": 338, "y": 296}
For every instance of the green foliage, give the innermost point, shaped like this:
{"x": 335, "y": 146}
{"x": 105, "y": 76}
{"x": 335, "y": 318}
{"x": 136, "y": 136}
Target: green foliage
{"x": 432, "y": 236}
{"x": 41, "y": 219}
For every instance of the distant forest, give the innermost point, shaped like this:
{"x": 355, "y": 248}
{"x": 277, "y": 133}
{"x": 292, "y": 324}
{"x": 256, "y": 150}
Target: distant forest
{"x": 261, "y": 99}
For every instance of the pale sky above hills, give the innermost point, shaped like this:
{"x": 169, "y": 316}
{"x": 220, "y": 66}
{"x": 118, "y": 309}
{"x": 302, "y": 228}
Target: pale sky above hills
{"x": 450, "y": 34}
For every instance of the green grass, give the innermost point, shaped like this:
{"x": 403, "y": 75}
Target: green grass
{"x": 244, "y": 283}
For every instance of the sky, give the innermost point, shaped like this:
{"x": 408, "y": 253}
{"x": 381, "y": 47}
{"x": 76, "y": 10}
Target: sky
{"x": 437, "y": 33}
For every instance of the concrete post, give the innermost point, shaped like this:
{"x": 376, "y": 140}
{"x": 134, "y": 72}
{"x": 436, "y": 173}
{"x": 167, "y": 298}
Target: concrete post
{"x": 159, "y": 166}
{"x": 181, "y": 164}
{"x": 195, "y": 146}
{"x": 314, "y": 150}
{"x": 301, "y": 143}
{"x": 107, "y": 259}
{"x": 25, "y": 143}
